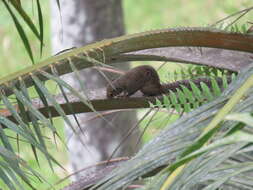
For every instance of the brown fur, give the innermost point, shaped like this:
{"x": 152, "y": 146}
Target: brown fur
{"x": 143, "y": 78}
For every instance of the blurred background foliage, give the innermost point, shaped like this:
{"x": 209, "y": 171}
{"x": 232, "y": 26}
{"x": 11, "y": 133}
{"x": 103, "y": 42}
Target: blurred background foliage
{"x": 141, "y": 15}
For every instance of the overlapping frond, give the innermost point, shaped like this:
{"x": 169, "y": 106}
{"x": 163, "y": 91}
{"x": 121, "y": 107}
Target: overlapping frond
{"x": 26, "y": 120}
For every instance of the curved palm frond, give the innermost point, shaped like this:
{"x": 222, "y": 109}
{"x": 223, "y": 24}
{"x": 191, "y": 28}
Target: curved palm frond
{"x": 26, "y": 120}
{"x": 177, "y": 141}
{"x": 18, "y": 84}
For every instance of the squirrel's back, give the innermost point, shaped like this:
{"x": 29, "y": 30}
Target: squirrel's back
{"x": 133, "y": 80}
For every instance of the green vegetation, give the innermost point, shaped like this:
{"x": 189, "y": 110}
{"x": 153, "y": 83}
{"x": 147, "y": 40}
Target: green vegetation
{"x": 139, "y": 16}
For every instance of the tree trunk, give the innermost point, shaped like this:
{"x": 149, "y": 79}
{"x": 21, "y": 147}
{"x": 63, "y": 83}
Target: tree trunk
{"x": 85, "y": 21}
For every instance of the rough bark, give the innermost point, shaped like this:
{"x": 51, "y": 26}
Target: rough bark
{"x": 85, "y": 21}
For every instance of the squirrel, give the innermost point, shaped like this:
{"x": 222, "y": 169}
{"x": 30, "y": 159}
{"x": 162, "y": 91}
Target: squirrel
{"x": 146, "y": 79}
{"x": 143, "y": 78}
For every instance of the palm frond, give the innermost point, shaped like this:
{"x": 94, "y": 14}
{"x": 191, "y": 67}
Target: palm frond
{"x": 167, "y": 146}
{"x": 27, "y": 120}
{"x": 21, "y": 31}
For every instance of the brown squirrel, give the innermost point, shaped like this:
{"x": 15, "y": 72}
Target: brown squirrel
{"x": 143, "y": 78}
{"x": 146, "y": 79}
